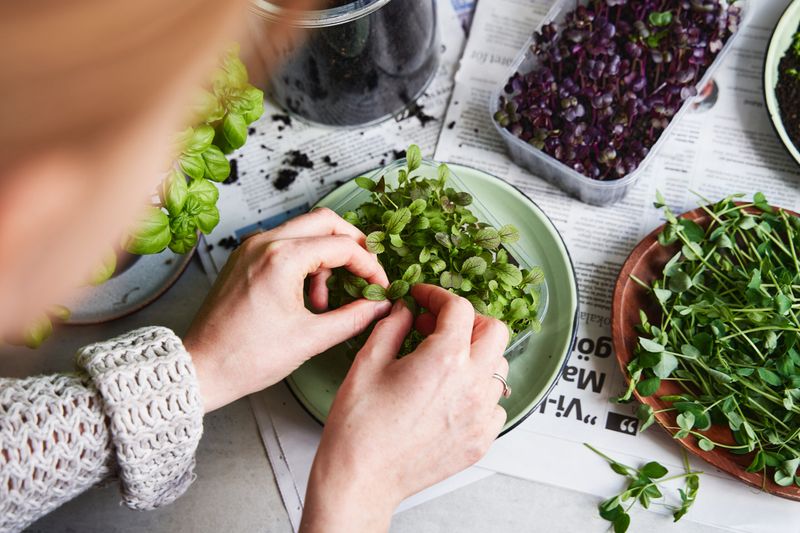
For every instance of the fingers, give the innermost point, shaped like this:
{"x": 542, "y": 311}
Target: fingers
{"x": 387, "y": 338}
{"x": 454, "y": 315}
{"x": 319, "y": 222}
{"x": 425, "y": 324}
{"x": 318, "y": 289}
{"x": 334, "y": 327}
{"x": 499, "y": 419}
{"x": 489, "y": 339}
{"x": 310, "y": 254}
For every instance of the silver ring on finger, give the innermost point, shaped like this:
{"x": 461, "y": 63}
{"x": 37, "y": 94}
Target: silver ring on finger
{"x": 506, "y": 388}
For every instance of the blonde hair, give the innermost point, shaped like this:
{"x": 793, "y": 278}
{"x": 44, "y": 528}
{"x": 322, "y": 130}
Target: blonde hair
{"x": 72, "y": 72}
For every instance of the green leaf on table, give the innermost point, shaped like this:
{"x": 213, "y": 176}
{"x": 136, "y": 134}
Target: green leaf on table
{"x": 654, "y": 470}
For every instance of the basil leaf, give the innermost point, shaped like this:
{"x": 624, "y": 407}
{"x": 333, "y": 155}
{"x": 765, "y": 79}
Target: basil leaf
{"x": 152, "y": 233}
{"x": 175, "y": 192}
{"x": 204, "y": 191}
{"x": 216, "y": 165}
{"x": 234, "y": 127}
{"x": 192, "y": 165}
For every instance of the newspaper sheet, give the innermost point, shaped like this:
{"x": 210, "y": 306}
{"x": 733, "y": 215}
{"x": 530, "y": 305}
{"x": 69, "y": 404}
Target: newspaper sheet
{"x": 727, "y": 145}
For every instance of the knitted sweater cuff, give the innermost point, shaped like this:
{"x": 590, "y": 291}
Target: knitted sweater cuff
{"x": 155, "y": 412}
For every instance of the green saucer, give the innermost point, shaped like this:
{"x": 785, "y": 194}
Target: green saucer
{"x": 533, "y": 372}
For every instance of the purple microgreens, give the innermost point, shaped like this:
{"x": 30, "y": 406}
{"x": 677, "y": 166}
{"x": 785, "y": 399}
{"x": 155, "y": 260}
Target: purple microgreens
{"x": 611, "y": 77}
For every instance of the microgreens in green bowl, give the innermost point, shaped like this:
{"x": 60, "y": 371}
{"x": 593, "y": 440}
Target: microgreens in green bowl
{"x": 426, "y": 228}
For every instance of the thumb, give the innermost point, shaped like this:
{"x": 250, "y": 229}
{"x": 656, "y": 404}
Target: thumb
{"x": 339, "y": 325}
{"x": 387, "y": 338}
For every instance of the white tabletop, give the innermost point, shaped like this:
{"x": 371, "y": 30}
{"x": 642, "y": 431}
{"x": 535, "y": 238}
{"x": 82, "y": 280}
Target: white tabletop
{"x": 235, "y": 489}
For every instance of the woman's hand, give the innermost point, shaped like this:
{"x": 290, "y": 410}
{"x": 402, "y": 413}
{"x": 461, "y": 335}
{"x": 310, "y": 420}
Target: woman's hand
{"x": 254, "y": 329}
{"x": 399, "y": 426}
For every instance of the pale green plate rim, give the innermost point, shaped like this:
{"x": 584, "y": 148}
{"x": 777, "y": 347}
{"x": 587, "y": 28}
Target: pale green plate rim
{"x": 562, "y": 347}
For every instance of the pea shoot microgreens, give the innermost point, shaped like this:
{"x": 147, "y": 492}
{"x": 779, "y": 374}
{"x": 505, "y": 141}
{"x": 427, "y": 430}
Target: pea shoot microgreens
{"x": 424, "y": 232}
{"x": 187, "y": 198}
{"x": 727, "y": 333}
{"x": 644, "y": 486}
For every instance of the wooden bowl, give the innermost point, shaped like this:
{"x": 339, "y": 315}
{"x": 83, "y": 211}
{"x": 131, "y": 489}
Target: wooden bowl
{"x": 646, "y": 262}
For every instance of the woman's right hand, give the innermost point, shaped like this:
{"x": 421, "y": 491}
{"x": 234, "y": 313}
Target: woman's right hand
{"x": 399, "y": 426}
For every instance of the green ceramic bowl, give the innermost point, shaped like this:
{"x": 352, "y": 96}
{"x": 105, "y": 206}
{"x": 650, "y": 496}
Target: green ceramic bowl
{"x": 536, "y": 369}
{"x": 779, "y": 43}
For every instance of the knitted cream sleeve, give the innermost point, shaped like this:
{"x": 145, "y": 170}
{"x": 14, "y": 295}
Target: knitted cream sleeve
{"x": 133, "y": 409}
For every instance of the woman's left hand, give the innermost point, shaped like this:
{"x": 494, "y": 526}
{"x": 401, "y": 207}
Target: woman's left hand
{"x": 254, "y": 328}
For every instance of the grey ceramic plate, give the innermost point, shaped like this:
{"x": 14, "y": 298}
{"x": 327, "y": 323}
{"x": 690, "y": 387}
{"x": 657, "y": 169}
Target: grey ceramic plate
{"x": 141, "y": 284}
{"x": 533, "y": 372}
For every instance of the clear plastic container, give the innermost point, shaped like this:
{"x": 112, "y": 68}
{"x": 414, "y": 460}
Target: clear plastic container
{"x": 429, "y": 169}
{"x": 353, "y": 64}
{"x": 586, "y": 189}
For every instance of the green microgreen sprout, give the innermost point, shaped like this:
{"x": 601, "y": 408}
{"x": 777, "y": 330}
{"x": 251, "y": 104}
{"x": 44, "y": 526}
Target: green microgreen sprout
{"x": 644, "y": 486}
{"x": 423, "y": 231}
{"x": 727, "y": 333}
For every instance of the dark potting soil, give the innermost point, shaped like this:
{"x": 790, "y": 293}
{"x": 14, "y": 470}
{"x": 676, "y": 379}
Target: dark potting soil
{"x": 298, "y": 159}
{"x": 788, "y": 93}
{"x": 286, "y": 177}
{"x": 363, "y": 70}
{"x": 228, "y": 243}
{"x": 233, "y": 177}
{"x": 280, "y": 117}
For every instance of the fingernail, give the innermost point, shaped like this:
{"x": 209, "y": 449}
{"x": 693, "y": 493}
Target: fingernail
{"x": 382, "y": 308}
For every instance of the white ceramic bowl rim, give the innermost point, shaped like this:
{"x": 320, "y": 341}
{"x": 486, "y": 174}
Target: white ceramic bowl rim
{"x": 778, "y": 45}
